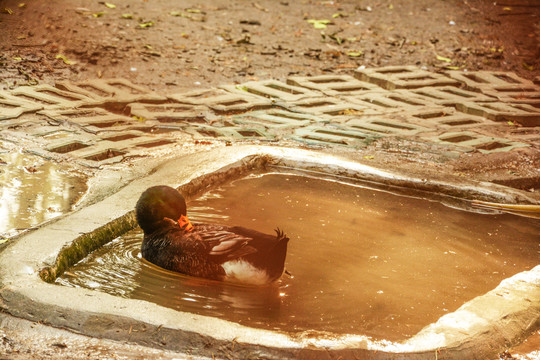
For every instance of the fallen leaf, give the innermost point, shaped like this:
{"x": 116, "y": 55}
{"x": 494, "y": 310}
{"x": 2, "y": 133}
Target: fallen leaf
{"x": 193, "y": 11}
{"x": 147, "y": 24}
{"x": 110, "y": 6}
{"x": 127, "y": 16}
{"x": 442, "y": 58}
{"x": 319, "y": 24}
{"x": 452, "y": 67}
{"x": 369, "y": 157}
{"x": 510, "y": 123}
{"x": 21, "y": 5}
{"x": 242, "y": 87}
{"x": 338, "y": 15}
{"x": 391, "y": 7}
{"x": 65, "y": 59}
{"x": 175, "y": 13}
{"x": 3, "y": 241}
{"x": 528, "y": 67}
{"x": 507, "y": 8}
{"x": 8, "y": 11}
{"x": 99, "y": 14}
{"x": 355, "y": 53}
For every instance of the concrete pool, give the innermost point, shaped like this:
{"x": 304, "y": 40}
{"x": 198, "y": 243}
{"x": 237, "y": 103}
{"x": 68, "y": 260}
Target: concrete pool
{"x": 476, "y": 329}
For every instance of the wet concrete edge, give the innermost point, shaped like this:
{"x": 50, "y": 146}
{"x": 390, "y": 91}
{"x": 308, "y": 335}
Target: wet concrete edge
{"x": 478, "y": 329}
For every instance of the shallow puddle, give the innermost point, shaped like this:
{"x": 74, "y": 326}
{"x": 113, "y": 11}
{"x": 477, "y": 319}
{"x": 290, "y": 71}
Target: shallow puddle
{"x": 363, "y": 261}
{"x": 33, "y": 190}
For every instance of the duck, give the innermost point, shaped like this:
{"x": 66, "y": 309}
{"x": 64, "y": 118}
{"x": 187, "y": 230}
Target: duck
{"x": 225, "y": 253}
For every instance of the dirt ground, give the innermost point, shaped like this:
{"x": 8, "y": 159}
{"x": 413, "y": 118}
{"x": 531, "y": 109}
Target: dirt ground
{"x": 172, "y": 46}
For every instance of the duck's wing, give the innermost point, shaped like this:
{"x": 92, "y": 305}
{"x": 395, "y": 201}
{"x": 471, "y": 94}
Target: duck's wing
{"x": 225, "y": 244}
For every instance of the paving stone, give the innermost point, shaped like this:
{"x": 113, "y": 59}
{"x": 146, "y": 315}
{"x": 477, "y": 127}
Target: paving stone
{"x": 505, "y": 86}
{"x": 391, "y": 101}
{"x": 109, "y": 150}
{"x": 448, "y": 95}
{"x": 96, "y": 120}
{"x": 523, "y": 114}
{"x": 327, "y": 135}
{"x": 529, "y": 95}
{"x": 403, "y": 77}
{"x": 470, "y": 141}
{"x": 333, "y": 85}
{"x": 49, "y": 97}
{"x": 446, "y": 118}
{"x": 222, "y": 101}
{"x": 328, "y": 106}
{"x": 117, "y": 90}
{"x": 275, "y": 119}
{"x": 384, "y": 126}
{"x": 168, "y": 112}
{"x": 12, "y": 107}
{"x": 273, "y": 89}
{"x": 483, "y": 80}
{"x": 199, "y": 131}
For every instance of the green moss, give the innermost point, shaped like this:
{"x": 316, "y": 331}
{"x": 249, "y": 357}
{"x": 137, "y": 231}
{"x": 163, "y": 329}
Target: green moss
{"x": 85, "y": 244}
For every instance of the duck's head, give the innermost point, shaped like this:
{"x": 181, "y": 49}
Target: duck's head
{"x": 158, "y": 203}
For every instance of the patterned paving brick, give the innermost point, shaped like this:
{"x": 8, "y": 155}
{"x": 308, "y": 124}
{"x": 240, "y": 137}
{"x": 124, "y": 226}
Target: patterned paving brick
{"x": 96, "y": 120}
{"x": 168, "y": 112}
{"x": 273, "y": 89}
{"x": 448, "y": 95}
{"x": 222, "y": 101}
{"x": 521, "y": 113}
{"x": 12, "y": 107}
{"x": 201, "y": 131}
{"x": 332, "y": 135}
{"x": 327, "y": 106}
{"x": 481, "y": 80}
{"x": 333, "y": 85}
{"x": 391, "y": 101}
{"x": 109, "y": 149}
{"x": 403, "y": 77}
{"x": 504, "y": 86}
{"x": 49, "y": 97}
{"x": 470, "y": 141}
{"x": 119, "y": 90}
{"x": 384, "y": 126}
{"x": 276, "y": 119}
{"x": 103, "y": 121}
{"x": 447, "y": 118}
{"x": 529, "y": 95}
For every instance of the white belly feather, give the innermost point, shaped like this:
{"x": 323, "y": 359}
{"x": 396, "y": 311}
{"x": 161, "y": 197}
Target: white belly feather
{"x": 243, "y": 272}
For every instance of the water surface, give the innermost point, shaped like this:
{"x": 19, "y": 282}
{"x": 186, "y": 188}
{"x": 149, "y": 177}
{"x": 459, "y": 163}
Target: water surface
{"x": 363, "y": 261}
{"x": 34, "y": 190}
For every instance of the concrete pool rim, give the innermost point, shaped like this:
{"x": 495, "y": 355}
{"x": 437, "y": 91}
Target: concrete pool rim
{"x": 478, "y": 329}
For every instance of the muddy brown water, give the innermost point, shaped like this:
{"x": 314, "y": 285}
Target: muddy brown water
{"x": 33, "y": 190}
{"x": 362, "y": 261}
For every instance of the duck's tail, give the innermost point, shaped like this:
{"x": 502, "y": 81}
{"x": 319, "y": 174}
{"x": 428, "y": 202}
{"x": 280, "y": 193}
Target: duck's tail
{"x": 281, "y": 236}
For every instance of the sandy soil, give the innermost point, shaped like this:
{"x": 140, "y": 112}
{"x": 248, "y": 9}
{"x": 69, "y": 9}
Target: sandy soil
{"x": 171, "y": 46}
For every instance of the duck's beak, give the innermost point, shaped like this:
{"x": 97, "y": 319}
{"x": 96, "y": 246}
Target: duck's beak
{"x": 184, "y": 223}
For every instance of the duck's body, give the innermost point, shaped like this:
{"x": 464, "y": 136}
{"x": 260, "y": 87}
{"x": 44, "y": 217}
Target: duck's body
{"x": 210, "y": 251}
